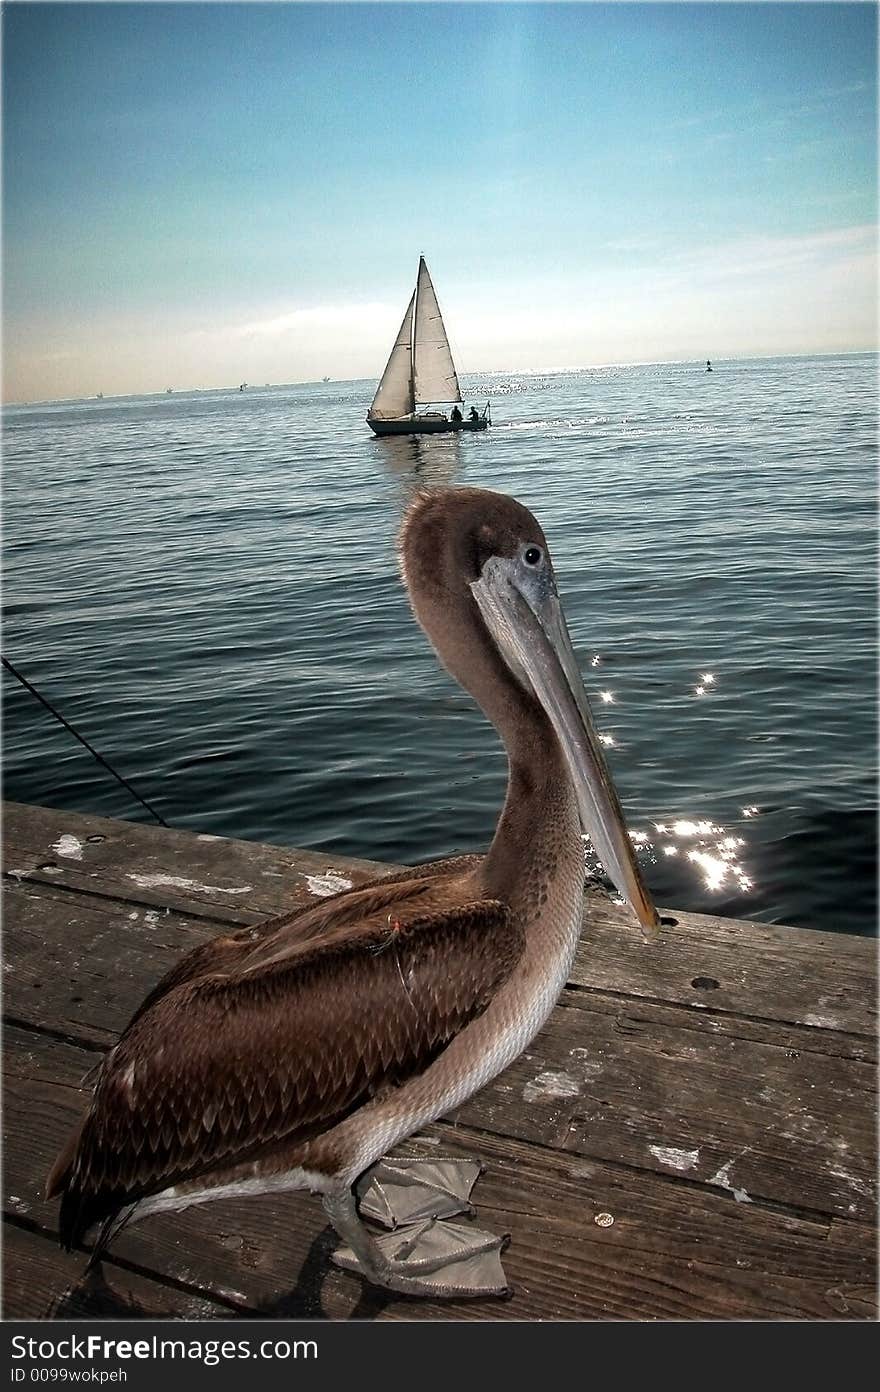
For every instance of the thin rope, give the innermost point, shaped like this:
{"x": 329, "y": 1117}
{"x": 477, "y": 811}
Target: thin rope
{"x": 67, "y": 725}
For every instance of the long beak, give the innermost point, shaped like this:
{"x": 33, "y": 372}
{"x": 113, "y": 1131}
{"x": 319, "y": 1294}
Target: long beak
{"x": 529, "y": 628}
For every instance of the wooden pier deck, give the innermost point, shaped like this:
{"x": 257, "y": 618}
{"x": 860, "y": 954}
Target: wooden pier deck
{"x": 714, "y": 1096}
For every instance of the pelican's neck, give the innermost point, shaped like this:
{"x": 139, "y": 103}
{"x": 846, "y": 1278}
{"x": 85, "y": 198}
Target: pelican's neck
{"x": 539, "y": 825}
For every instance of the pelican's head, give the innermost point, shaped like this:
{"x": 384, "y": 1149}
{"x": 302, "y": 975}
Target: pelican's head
{"x": 477, "y": 568}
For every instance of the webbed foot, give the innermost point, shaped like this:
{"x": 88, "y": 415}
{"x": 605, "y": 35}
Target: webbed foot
{"x": 433, "y": 1259}
{"x": 399, "y": 1191}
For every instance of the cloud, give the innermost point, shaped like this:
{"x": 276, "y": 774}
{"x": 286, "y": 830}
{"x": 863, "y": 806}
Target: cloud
{"x": 844, "y": 91}
{"x": 759, "y": 255}
{"x": 292, "y": 323}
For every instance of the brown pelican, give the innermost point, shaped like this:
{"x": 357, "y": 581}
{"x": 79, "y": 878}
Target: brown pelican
{"x": 297, "y": 1054}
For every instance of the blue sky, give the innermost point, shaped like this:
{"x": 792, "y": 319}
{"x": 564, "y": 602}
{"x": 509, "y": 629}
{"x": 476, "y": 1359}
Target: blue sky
{"x": 200, "y": 193}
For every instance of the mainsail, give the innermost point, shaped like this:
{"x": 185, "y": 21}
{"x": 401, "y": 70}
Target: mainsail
{"x": 394, "y": 394}
{"x": 433, "y": 369}
{"x": 420, "y": 369}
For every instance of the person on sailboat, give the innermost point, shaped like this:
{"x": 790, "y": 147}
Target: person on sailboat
{"x": 473, "y": 414}
{"x": 455, "y": 416}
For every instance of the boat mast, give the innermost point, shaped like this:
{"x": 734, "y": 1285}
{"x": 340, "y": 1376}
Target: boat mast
{"x": 412, "y": 356}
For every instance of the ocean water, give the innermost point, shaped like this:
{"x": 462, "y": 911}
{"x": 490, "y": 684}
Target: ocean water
{"x": 205, "y": 585}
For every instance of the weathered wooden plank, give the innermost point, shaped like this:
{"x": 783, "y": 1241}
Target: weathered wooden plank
{"x": 236, "y": 882}
{"x": 619, "y": 1084}
{"x": 230, "y": 881}
{"x": 795, "y": 975}
{"x": 675, "y": 1250}
{"x": 80, "y": 963}
{"x": 802, "y": 1038}
{"x": 36, "y": 1286}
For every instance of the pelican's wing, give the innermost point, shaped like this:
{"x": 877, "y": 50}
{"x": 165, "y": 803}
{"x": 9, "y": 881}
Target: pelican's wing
{"x": 225, "y": 953}
{"x": 219, "y": 1069}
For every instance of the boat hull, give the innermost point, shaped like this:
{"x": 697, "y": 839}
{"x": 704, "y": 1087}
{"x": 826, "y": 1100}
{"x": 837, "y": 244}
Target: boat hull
{"x": 424, "y": 425}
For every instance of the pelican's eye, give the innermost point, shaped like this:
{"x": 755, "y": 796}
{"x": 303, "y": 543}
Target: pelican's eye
{"x": 533, "y": 555}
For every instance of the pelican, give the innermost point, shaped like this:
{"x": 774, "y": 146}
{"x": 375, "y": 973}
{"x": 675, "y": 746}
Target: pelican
{"x": 297, "y": 1054}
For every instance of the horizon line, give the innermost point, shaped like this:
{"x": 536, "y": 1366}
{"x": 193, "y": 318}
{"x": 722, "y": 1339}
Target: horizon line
{"x": 480, "y": 372}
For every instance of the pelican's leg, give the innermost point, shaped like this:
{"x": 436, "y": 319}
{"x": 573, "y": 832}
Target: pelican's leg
{"x": 401, "y": 1190}
{"x": 429, "y": 1259}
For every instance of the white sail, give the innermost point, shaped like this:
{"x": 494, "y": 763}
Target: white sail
{"x": 433, "y": 369}
{"x": 394, "y": 394}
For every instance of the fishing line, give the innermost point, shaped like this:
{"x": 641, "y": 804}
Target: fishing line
{"x": 67, "y": 725}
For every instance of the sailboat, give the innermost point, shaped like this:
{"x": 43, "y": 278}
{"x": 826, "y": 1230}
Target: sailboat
{"x": 420, "y": 372}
